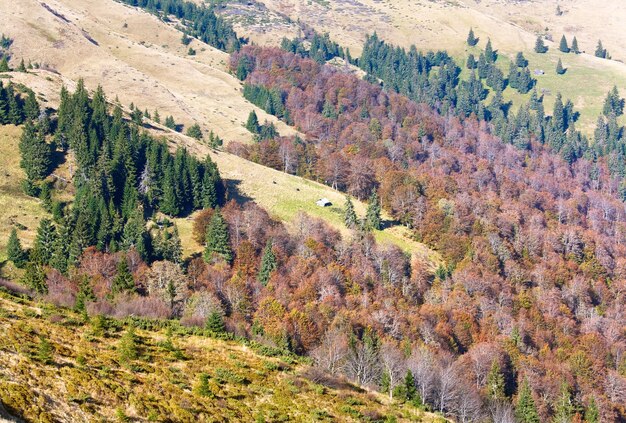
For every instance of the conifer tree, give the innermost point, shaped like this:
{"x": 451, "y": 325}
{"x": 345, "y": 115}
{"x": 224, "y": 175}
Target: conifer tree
{"x": 564, "y": 408}
{"x": 4, "y": 65}
{"x": 217, "y": 238}
{"x": 559, "y": 68}
{"x": 520, "y": 60}
{"x": 490, "y": 55}
{"x": 613, "y": 103}
{"x": 574, "y": 48}
{"x": 600, "y": 50}
{"x": 35, "y": 278}
{"x": 203, "y": 389}
{"x": 170, "y": 123}
{"x": 85, "y": 294}
{"x": 372, "y": 217}
{"x": 563, "y": 47}
{"x": 123, "y": 280}
{"x": 215, "y": 323}
{"x": 268, "y": 263}
{"x": 35, "y": 153}
{"x": 409, "y": 387}
{"x": 60, "y": 253}
{"x": 15, "y": 252}
{"x": 495, "y": 382}
{"x": 526, "y": 411}
{"x": 471, "y": 62}
{"x": 540, "y": 47}
{"x": 194, "y": 131}
{"x": 127, "y": 348}
{"x": 31, "y": 106}
{"x": 44, "y": 242}
{"x": 156, "y": 117}
{"x": 592, "y": 415}
{"x": 349, "y": 215}
{"x": 44, "y": 350}
{"x": 252, "y": 124}
{"x": 471, "y": 38}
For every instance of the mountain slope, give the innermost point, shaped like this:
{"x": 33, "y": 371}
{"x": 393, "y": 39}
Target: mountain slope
{"x": 83, "y": 377}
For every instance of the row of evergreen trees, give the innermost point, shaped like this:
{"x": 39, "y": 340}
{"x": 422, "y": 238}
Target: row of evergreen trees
{"x": 15, "y": 108}
{"x": 199, "y": 21}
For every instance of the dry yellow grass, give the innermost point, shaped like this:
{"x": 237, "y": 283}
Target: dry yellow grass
{"x": 138, "y": 58}
{"x": 17, "y": 210}
{"x": 85, "y": 381}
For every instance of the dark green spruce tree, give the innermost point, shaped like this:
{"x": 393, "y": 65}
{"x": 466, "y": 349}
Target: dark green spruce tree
{"x": 372, "y": 217}
{"x": 218, "y": 238}
{"x": 35, "y": 152}
{"x": 349, "y": 215}
{"x": 252, "y": 124}
{"x": 563, "y": 47}
{"x": 268, "y": 263}
{"x": 526, "y": 410}
{"x": 44, "y": 242}
{"x": 540, "y": 47}
{"x": 15, "y": 252}
{"x": 471, "y": 38}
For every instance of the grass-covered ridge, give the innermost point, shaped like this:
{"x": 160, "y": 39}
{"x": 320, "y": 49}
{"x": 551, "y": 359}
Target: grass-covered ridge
{"x": 57, "y": 366}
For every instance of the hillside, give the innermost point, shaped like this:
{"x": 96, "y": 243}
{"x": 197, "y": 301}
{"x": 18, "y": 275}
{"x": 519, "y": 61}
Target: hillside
{"x": 83, "y": 378}
{"x": 133, "y": 55}
{"x": 476, "y": 269}
{"x": 512, "y": 26}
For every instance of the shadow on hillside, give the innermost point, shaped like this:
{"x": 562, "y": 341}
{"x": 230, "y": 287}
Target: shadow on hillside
{"x": 233, "y": 192}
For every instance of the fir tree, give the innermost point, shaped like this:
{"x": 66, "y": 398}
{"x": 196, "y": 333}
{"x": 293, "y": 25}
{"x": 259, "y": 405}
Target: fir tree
{"x": 35, "y": 278}
{"x": 170, "y": 123}
{"x": 31, "y": 107}
{"x": 4, "y": 65}
{"x": 471, "y": 62}
{"x": 44, "y": 243}
{"x": 127, "y": 349}
{"x": 268, "y": 263}
{"x": 44, "y": 350}
{"x": 409, "y": 387}
{"x": 563, "y": 47}
{"x": 560, "y": 70}
{"x": 540, "y": 47}
{"x": 564, "y": 408}
{"x": 471, "y": 38}
{"x": 526, "y": 411}
{"x": 215, "y": 323}
{"x": 613, "y": 103}
{"x": 600, "y": 50}
{"x": 217, "y": 238}
{"x": 203, "y": 389}
{"x": 194, "y": 131}
{"x": 592, "y": 415}
{"x": 35, "y": 153}
{"x": 372, "y": 217}
{"x": 495, "y": 382}
{"x": 61, "y": 248}
{"x": 156, "y": 117}
{"x": 123, "y": 280}
{"x": 349, "y": 215}
{"x": 490, "y": 55}
{"x": 574, "y": 48}
{"x": 15, "y": 252}
{"x": 85, "y": 294}
{"x": 520, "y": 60}
{"x": 252, "y": 124}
